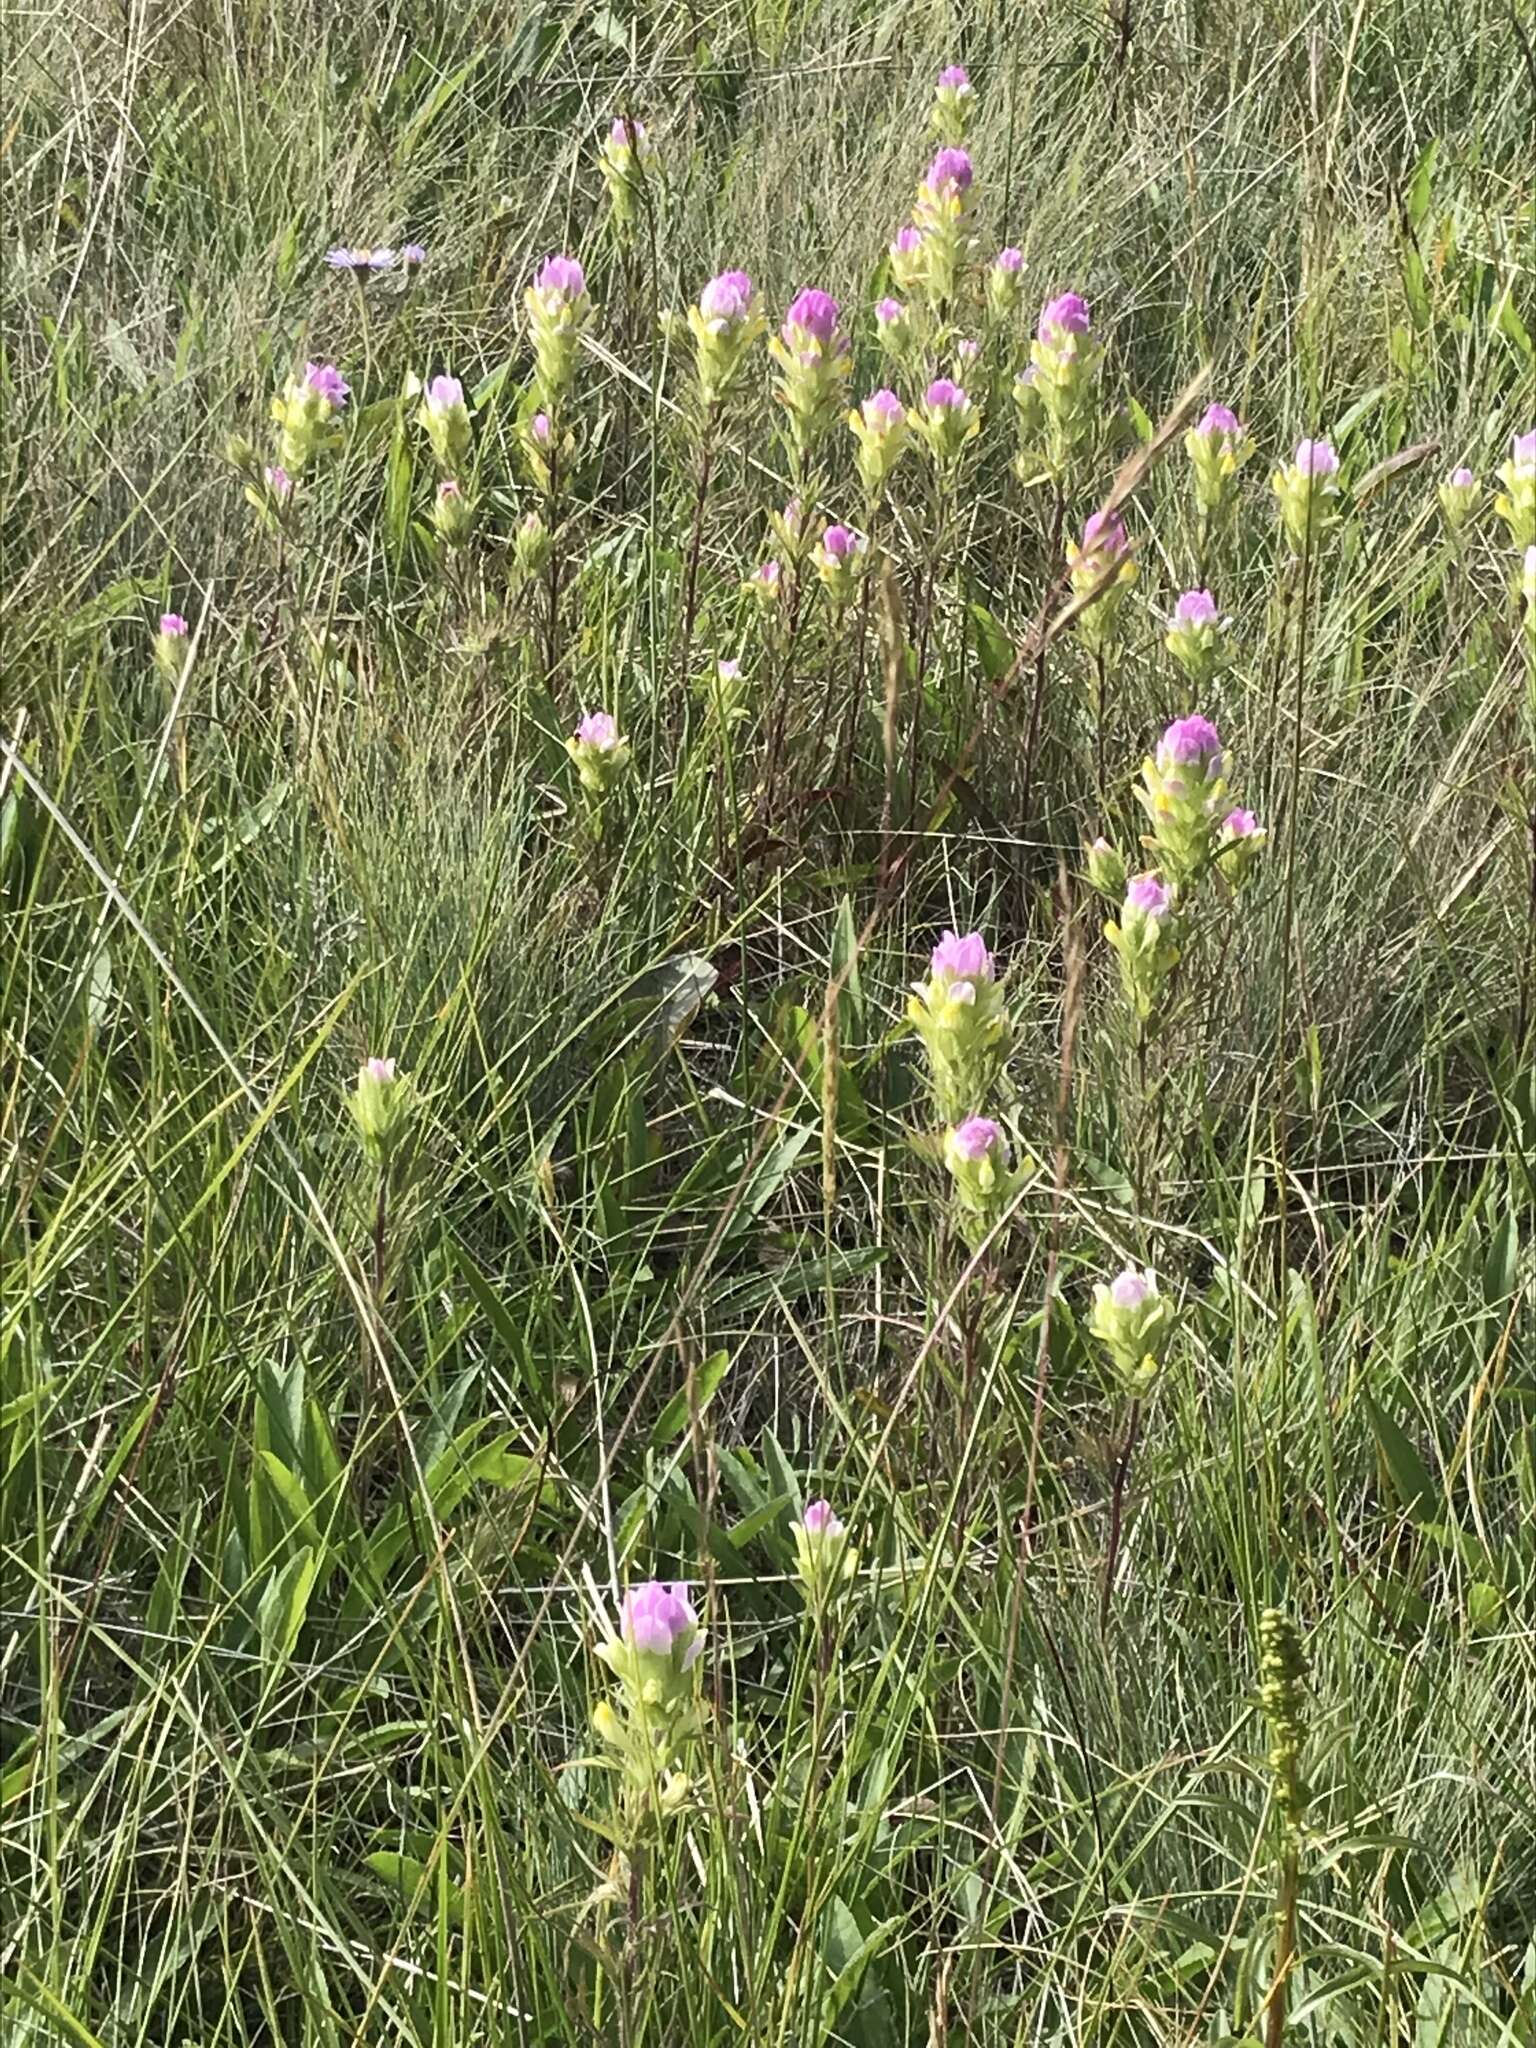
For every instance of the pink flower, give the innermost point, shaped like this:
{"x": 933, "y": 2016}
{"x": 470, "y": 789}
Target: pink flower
{"x": 727, "y": 298}
{"x": 767, "y": 574}
{"x": 412, "y": 256}
{"x": 359, "y": 260}
{"x": 1193, "y": 743}
{"x": 819, "y": 1520}
{"x": 883, "y": 409}
{"x": 963, "y": 959}
{"x": 449, "y": 489}
{"x": 943, "y": 396}
{"x": 1132, "y": 1290}
{"x": 379, "y": 1070}
{"x": 277, "y": 480}
{"x": 1196, "y": 608}
{"x": 729, "y": 671}
{"x": 599, "y": 729}
{"x": 1148, "y": 894}
{"x": 889, "y": 311}
{"x": 955, "y": 78}
{"x": 173, "y": 625}
{"x": 1104, "y": 543}
{"x": 1316, "y": 458}
{"x": 655, "y": 1617}
{"x": 444, "y": 393}
{"x": 1523, "y": 449}
{"x": 813, "y": 316}
{"x": 908, "y": 241}
{"x": 1463, "y": 479}
{"x": 1220, "y": 419}
{"x": 562, "y": 280}
{"x": 1009, "y": 261}
{"x": 626, "y": 133}
{"x": 1239, "y": 824}
{"x": 328, "y": 383}
{"x": 840, "y": 542}
{"x": 950, "y": 167}
{"x": 966, "y": 351}
{"x": 1063, "y": 316}
{"x": 540, "y": 431}
{"x": 975, "y": 1138}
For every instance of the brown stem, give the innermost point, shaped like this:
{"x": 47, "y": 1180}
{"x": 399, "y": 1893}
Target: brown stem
{"x": 1117, "y": 1511}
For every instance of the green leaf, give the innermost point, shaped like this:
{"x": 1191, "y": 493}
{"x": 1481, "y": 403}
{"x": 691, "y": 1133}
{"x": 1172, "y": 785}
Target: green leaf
{"x": 414, "y": 1882}
{"x": 284, "y": 1605}
{"x": 675, "y": 1417}
{"x": 1410, "y": 1478}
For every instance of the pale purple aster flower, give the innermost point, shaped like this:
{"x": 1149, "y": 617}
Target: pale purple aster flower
{"x": 1131, "y": 1289}
{"x": 342, "y": 258}
{"x": 599, "y": 729}
{"x": 277, "y": 480}
{"x": 944, "y": 396}
{"x": 950, "y": 167}
{"x": 1219, "y": 419}
{"x": 883, "y": 409}
{"x": 1196, "y": 608}
{"x": 379, "y": 1070}
{"x": 562, "y": 280}
{"x": 1193, "y": 743}
{"x": 412, "y": 256}
{"x": 889, "y": 311}
{"x": 907, "y": 242}
{"x": 1010, "y": 261}
{"x": 1063, "y": 316}
{"x": 653, "y": 1617}
{"x": 445, "y": 392}
{"x": 1239, "y": 824}
{"x": 963, "y": 959}
{"x": 840, "y": 542}
{"x": 819, "y": 1520}
{"x": 727, "y": 298}
{"x": 381, "y": 259}
{"x": 540, "y": 431}
{"x": 966, "y": 351}
{"x": 328, "y": 383}
{"x": 173, "y": 625}
{"x": 1316, "y": 458}
{"x": 956, "y": 78}
{"x": 1523, "y": 449}
{"x": 1463, "y": 479}
{"x": 975, "y": 1138}
{"x": 1149, "y": 894}
{"x": 812, "y": 316}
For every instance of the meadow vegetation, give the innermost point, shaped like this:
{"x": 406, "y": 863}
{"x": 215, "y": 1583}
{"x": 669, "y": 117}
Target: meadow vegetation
{"x": 767, "y": 1132}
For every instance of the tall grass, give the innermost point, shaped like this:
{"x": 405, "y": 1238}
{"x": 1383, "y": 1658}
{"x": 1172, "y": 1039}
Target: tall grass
{"x": 309, "y": 1529}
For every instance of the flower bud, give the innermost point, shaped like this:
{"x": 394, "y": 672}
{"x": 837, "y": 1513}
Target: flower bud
{"x": 530, "y": 550}
{"x": 725, "y": 324}
{"x": 1458, "y": 497}
{"x": 381, "y": 1109}
{"x": 624, "y": 158}
{"x": 446, "y": 418}
{"x": 304, "y": 413}
{"x": 1197, "y": 637}
{"x": 940, "y": 219}
{"x": 1238, "y": 845}
{"x": 170, "y": 645}
{"x": 953, "y": 98}
{"x": 1307, "y": 492}
{"x": 824, "y": 1557}
{"x": 558, "y": 310}
{"x": 1102, "y": 569}
{"x": 766, "y": 584}
{"x": 947, "y": 420}
{"x": 1146, "y": 942}
{"x": 840, "y": 556}
{"x": 813, "y": 356}
{"x": 1005, "y": 282}
{"x": 906, "y": 258}
{"x": 1106, "y": 869}
{"x": 880, "y": 428}
{"x": 1516, "y": 504}
{"x": 1216, "y": 445}
{"x": 1065, "y": 358}
{"x": 962, "y": 1019}
{"x": 453, "y": 515}
{"x": 976, "y": 1154}
{"x": 601, "y": 756}
{"x": 1133, "y": 1322}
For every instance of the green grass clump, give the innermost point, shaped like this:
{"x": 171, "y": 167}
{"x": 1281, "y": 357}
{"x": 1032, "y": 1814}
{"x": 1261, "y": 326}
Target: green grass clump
{"x": 1165, "y": 1673}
